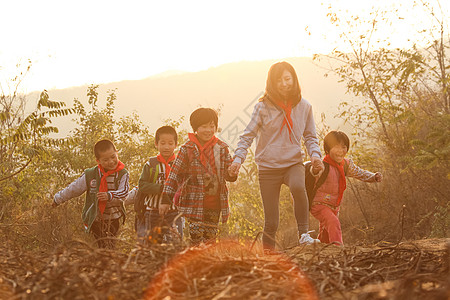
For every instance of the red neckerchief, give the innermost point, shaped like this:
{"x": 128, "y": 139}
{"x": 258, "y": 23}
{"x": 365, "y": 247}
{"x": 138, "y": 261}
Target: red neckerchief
{"x": 160, "y": 158}
{"x": 287, "y": 121}
{"x": 104, "y": 183}
{"x": 206, "y": 146}
{"x": 342, "y": 181}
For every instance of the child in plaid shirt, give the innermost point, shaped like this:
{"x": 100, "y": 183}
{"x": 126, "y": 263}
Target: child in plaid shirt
{"x": 197, "y": 181}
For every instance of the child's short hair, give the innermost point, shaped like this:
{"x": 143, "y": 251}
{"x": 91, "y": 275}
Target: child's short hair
{"x": 203, "y": 116}
{"x": 334, "y": 138}
{"x": 102, "y": 146}
{"x": 166, "y": 130}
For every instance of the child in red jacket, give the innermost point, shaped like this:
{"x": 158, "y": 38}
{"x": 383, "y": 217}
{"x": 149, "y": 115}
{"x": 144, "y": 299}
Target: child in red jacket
{"x": 328, "y": 197}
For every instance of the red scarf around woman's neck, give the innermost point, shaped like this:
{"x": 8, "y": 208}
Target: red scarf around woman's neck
{"x": 207, "y": 145}
{"x": 104, "y": 183}
{"x": 160, "y": 158}
{"x": 342, "y": 180}
{"x": 287, "y": 121}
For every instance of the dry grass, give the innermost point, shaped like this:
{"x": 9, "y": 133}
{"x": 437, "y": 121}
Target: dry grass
{"x": 77, "y": 270}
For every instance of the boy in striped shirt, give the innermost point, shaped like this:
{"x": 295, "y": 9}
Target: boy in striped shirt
{"x": 106, "y": 187}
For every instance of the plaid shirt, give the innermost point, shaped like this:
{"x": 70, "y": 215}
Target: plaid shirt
{"x": 186, "y": 177}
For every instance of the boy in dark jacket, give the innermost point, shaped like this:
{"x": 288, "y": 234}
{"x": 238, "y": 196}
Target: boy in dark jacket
{"x": 150, "y": 226}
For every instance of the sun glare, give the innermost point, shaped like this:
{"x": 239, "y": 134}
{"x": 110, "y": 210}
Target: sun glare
{"x": 102, "y": 41}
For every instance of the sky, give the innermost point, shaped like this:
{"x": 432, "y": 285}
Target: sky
{"x": 84, "y": 42}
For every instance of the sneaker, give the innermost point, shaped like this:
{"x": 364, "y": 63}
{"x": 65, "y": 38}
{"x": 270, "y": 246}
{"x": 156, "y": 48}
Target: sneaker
{"x": 305, "y": 238}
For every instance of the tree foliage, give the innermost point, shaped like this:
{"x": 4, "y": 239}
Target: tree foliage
{"x": 132, "y": 138}
{"x": 401, "y": 129}
{"x": 25, "y": 137}
{"x": 404, "y": 119}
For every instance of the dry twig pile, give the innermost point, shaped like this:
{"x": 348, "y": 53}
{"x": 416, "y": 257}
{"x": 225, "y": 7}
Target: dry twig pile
{"x": 80, "y": 271}
{"x": 230, "y": 271}
{"x": 226, "y": 271}
{"x": 403, "y": 271}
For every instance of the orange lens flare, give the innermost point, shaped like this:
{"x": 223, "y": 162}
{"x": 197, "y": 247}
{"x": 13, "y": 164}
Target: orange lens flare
{"x": 229, "y": 270}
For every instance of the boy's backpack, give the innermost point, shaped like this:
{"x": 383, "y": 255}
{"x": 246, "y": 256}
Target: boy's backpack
{"x": 139, "y": 203}
{"x": 311, "y": 185}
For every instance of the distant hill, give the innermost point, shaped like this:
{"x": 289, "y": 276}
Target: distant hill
{"x": 233, "y": 86}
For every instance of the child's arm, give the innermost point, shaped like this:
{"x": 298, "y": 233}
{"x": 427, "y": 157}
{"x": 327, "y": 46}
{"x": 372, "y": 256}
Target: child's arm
{"x": 146, "y": 185}
{"x": 230, "y": 175}
{"x": 75, "y": 189}
{"x": 175, "y": 179}
{"x": 378, "y": 177}
{"x": 122, "y": 191}
{"x": 363, "y": 175}
{"x": 130, "y": 199}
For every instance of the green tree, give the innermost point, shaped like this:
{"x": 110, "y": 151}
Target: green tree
{"x": 403, "y": 125}
{"x": 25, "y": 143}
{"x": 24, "y": 138}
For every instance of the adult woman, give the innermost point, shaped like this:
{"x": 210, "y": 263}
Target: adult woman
{"x": 280, "y": 119}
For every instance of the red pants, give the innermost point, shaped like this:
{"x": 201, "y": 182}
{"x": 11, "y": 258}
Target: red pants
{"x": 330, "y": 226}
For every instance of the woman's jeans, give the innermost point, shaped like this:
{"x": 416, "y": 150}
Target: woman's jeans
{"x": 270, "y": 181}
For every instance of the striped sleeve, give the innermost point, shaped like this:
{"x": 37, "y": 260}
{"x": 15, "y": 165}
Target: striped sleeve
{"x": 75, "y": 189}
{"x": 122, "y": 190}
{"x": 358, "y": 173}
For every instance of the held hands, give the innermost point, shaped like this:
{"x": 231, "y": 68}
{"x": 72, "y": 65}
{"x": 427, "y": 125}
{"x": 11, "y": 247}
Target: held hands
{"x": 378, "y": 177}
{"x": 317, "y": 165}
{"x": 233, "y": 170}
{"x": 163, "y": 209}
{"x": 316, "y": 170}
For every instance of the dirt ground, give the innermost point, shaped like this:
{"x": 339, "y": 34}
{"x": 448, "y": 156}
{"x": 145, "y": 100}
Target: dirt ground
{"x": 228, "y": 270}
